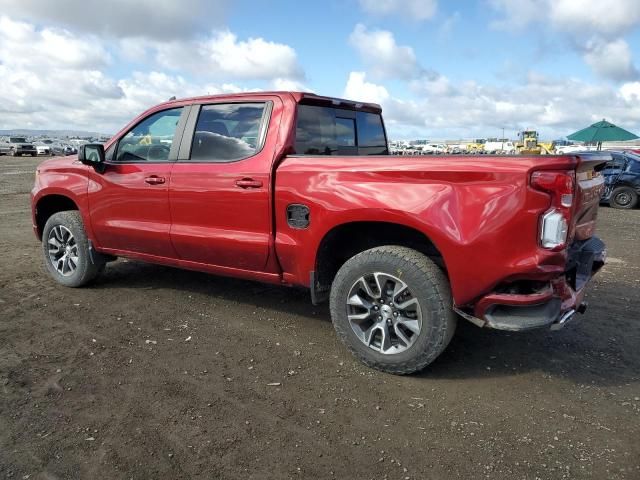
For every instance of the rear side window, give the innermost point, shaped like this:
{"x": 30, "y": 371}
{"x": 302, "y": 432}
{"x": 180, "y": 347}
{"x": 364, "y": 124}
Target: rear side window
{"x": 371, "y": 136}
{"x": 228, "y": 132}
{"x": 336, "y": 131}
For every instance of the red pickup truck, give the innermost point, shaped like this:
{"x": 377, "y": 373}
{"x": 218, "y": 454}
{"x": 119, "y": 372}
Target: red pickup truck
{"x": 298, "y": 189}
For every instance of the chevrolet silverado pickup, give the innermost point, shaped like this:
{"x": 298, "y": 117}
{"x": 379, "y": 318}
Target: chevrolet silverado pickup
{"x": 298, "y": 189}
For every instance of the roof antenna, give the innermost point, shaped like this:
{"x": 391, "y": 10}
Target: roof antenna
{"x": 172, "y": 98}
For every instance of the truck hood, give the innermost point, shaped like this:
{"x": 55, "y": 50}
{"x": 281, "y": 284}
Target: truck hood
{"x": 57, "y": 163}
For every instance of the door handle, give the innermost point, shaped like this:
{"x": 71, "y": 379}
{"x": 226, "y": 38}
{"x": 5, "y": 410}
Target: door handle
{"x": 249, "y": 183}
{"x": 154, "y": 180}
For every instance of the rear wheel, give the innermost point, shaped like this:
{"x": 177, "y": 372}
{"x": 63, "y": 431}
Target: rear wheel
{"x": 391, "y": 307}
{"x": 624, "y": 198}
{"x": 66, "y": 250}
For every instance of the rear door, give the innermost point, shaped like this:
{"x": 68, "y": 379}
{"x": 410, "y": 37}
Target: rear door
{"x": 129, "y": 201}
{"x": 220, "y": 185}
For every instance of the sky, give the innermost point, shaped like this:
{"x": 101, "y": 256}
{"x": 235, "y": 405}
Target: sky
{"x": 440, "y": 69}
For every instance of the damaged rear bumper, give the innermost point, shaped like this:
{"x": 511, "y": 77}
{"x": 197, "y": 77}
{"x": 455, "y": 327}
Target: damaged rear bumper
{"x": 553, "y": 304}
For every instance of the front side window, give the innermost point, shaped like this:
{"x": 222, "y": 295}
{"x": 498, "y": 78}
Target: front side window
{"x": 228, "y": 132}
{"x": 151, "y": 139}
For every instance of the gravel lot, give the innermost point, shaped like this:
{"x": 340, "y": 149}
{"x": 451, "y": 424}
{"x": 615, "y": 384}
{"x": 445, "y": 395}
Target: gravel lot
{"x": 160, "y": 373}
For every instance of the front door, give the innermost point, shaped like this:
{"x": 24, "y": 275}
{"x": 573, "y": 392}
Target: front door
{"x": 129, "y": 202}
{"x": 219, "y": 192}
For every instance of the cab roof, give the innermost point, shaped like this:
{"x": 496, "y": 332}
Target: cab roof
{"x": 306, "y": 98}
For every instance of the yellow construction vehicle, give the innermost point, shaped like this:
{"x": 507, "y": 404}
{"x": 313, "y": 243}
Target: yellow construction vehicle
{"x": 476, "y": 146}
{"x": 529, "y": 144}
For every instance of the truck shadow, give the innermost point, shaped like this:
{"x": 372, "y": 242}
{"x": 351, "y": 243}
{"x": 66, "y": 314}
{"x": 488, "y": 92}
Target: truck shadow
{"x": 599, "y": 348}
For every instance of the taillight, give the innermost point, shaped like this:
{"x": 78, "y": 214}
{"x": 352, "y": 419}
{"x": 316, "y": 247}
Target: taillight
{"x": 554, "y": 223}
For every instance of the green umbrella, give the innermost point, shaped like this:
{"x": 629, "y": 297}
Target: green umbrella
{"x": 602, "y": 132}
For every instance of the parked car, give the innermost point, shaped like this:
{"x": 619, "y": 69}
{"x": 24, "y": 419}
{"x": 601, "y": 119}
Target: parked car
{"x": 506, "y": 147}
{"x": 19, "y": 146}
{"x": 574, "y": 148}
{"x": 300, "y": 190}
{"x": 63, "y": 150}
{"x": 622, "y": 180}
{"x": 43, "y": 149}
{"x": 434, "y": 148}
{"x": 5, "y": 147}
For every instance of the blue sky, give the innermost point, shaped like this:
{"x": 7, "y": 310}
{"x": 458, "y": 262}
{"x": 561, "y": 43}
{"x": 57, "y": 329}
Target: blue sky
{"x": 440, "y": 69}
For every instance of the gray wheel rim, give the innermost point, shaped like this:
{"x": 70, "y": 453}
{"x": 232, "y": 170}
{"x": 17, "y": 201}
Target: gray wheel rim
{"x": 63, "y": 250}
{"x": 623, "y": 198}
{"x": 383, "y": 313}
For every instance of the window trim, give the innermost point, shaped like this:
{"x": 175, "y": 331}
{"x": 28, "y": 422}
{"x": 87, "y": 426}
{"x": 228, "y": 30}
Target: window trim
{"x": 184, "y": 154}
{"x": 177, "y": 138}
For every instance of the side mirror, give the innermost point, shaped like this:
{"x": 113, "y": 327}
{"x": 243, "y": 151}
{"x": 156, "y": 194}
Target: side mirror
{"x": 92, "y": 154}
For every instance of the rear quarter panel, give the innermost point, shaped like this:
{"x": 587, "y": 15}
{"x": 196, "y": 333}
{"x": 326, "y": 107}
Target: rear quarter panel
{"x": 479, "y": 212}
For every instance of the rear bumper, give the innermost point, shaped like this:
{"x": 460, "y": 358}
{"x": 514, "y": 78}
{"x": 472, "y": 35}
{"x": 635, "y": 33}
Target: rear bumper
{"x": 552, "y": 305}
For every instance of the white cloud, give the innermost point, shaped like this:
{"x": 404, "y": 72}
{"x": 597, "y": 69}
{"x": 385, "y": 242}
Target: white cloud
{"x": 610, "y": 59}
{"x": 219, "y": 55}
{"x": 595, "y": 28}
{"x": 286, "y": 84}
{"x": 517, "y": 14}
{"x": 631, "y": 92}
{"x": 584, "y": 17}
{"x": 157, "y": 19}
{"x": 412, "y": 9}
{"x": 610, "y": 17}
{"x": 252, "y": 58}
{"x": 382, "y": 55}
{"x": 359, "y": 89}
{"x": 53, "y": 78}
{"x": 469, "y": 109}
{"x": 48, "y": 48}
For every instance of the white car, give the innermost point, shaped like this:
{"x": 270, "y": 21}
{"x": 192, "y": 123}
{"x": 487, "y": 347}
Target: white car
{"x": 43, "y": 149}
{"x": 561, "y": 149}
{"x": 507, "y": 148}
{"x": 434, "y": 148}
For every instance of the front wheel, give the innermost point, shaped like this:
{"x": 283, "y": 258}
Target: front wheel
{"x": 624, "y": 198}
{"x": 391, "y": 307}
{"x": 66, "y": 250}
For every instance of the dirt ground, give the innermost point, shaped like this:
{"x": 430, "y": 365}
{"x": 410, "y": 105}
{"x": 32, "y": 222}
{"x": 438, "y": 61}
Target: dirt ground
{"x": 167, "y": 374}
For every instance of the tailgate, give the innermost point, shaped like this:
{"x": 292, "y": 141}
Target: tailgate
{"x": 589, "y": 189}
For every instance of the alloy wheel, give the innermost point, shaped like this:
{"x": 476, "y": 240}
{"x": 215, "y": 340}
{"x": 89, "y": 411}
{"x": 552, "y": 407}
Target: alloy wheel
{"x": 63, "y": 250}
{"x": 383, "y": 313}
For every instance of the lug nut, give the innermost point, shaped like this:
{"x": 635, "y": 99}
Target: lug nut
{"x": 395, "y": 314}
{"x": 388, "y": 321}
{"x": 382, "y": 300}
{"x": 379, "y": 317}
{"x": 376, "y": 308}
{"x": 391, "y": 304}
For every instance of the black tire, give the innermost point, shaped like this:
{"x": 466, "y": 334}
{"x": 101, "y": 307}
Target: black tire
{"x": 430, "y": 287}
{"x": 17, "y": 154}
{"x": 624, "y": 198}
{"x": 34, "y": 154}
{"x": 85, "y": 270}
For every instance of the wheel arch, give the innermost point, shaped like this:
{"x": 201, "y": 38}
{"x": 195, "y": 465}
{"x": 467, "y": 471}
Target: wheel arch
{"x": 49, "y": 204}
{"x": 348, "y": 239}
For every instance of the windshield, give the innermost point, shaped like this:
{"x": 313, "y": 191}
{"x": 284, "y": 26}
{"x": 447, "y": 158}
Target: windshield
{"x": 18, "y": 140}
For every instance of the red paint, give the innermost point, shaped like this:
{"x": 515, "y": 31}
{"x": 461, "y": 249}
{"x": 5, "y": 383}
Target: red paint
{"x": 481, "y": 212}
